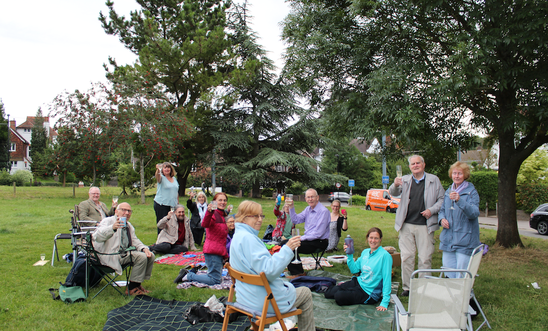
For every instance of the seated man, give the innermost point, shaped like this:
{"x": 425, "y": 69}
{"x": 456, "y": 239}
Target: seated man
{"x": 176, "y": 236}
{"x": 316, "y": 218}
{"x": 115, "y": 234}
{"x": 92, "y": 209}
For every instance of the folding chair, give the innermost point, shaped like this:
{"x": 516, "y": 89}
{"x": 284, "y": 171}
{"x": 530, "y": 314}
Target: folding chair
{"x": 317, "y": 255}
{"x": 103, "y": 271}
{"x": 75, "y": 236}
{"x": 473, "y": 267}
{"x": 258, "y": 318}
{"x": 435, "y": 303}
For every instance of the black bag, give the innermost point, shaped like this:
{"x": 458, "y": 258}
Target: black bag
{"x": 198, "y": 313}
{"x": 268, "y": 232}
{"x": 77, "y": 274}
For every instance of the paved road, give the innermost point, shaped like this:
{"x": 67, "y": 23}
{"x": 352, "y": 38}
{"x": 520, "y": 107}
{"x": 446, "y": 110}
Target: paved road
{"x": 492, "y": 222}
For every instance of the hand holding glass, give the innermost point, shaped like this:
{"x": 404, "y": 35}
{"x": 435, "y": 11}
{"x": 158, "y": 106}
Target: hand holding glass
{"x": 399, "y": 172}
{"x": 295, "y": 232}
{"x": 213, "y": 204}
{"x": 115, "y": 199}
{"x": 452, "y": 201}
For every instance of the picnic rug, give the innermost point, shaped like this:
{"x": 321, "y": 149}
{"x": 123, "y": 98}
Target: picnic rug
{"x": 328, "y": 315}
{"x": 183, "y": 259}
{"x": 147, "y": 313}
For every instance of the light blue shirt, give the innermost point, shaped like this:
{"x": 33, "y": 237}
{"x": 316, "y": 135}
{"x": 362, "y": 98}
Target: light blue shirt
{"x": 316, "y": 221}
{"x": 167, "y": 193}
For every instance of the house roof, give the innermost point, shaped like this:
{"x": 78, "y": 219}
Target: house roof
{"x": 29, "y": 123}
{"x": 18, "y": 136}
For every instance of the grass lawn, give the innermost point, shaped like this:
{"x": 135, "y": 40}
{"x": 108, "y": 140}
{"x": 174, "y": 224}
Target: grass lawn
{"x": 34, "y": 215}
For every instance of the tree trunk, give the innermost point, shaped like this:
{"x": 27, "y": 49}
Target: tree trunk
{"x": 256, "y": 190}
{"x": 64, "y": 178}
{"x": 507, "y": 232}
{"x": 142, "y": 173}
{"x": 182, "y": 178}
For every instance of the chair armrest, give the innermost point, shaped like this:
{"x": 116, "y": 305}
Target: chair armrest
{"x": 87, "y": 221}
{"x": 398, "y": 306}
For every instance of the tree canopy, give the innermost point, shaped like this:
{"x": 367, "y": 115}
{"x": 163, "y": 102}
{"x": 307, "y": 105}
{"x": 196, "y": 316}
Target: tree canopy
{"x": 4, "y": 140}
{"x": 430, "y": 71}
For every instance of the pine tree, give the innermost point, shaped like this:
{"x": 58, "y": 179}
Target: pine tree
{"x": 4, "y": 140}
{"x": 38, "y": 145}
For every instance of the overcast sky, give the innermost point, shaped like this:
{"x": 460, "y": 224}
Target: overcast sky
{"x": 47, "y": 47}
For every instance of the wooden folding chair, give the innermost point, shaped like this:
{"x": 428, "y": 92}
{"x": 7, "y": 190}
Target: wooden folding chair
{"x": 258, "y": 316}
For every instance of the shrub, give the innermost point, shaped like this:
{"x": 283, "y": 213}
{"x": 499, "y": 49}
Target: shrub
{"x": 267, "y": 192}
{"x": 296, "y": 188}
{"x": 531, "y": 196}
{"x": 22, "y": 177}
{"x": 358, "y": 200}
{"x": 486, "y": 183}
{"x": 5, "y": 177}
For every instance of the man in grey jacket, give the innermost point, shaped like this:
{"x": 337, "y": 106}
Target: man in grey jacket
{"x": 416, "y": 217}
{"x": 115, "y": 234}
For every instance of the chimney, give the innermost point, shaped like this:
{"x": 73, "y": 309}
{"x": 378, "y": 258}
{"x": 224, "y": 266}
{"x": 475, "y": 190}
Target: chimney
{"x": 12, "y": 125}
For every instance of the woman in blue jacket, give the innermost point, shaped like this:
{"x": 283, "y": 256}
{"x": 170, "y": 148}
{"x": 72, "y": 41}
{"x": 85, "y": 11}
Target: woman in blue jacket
{"x": 248, "y": 254}
{"x": 375, "y": 279}
{"x": 459, "y": 219}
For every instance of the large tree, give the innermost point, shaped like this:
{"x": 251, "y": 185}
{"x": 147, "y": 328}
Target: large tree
{"x": 4, "y": 140}
{"x": 262, "y": 135}
{"x": 183, "y": 51}
{"x": 38, "y": 146}
{"x": 442, "y": 70}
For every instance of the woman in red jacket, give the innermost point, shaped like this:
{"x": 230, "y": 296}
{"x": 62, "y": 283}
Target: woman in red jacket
{"x": 215, "y": 243}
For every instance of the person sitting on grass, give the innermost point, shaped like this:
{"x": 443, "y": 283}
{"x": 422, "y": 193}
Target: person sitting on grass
{"x": 375, "y": 280}
{"x": 176, "y": 236}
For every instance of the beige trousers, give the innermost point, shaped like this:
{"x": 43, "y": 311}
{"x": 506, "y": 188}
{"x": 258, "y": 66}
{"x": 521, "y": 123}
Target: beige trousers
{"x": 142, "y": 266}
{"x": 304, "y": 302}
{"x": 412, "y": 238}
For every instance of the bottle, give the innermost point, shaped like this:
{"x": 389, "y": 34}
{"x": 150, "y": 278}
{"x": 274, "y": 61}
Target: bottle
{"x": 279, "y": 199}
{"x": 349, "y": 242}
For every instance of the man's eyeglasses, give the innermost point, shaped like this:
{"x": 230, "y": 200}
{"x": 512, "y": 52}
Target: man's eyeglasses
{"x": 129, "y": 211}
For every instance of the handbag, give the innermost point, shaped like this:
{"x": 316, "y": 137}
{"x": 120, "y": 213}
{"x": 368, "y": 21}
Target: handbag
{"x": 68, "y": 294}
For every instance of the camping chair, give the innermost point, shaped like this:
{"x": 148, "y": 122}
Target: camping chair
{"x": 258, "y": 318}
{"x": 103, "y": 271}
{"x": 317, "y": 255}
{"x": 76, "y": 235}
{"x": 435, "y": 303}
{"x": 473, "y": 266}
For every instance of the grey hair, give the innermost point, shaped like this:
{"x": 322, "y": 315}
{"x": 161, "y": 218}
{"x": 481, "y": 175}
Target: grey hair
{"x": 201, "y": 193}
{"x": 177, "y": 206}
{"x": 93, "y": 188}
{"x": 416, "y": 155}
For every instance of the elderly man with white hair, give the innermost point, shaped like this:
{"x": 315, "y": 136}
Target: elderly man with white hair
{"x": 94, "y": 210}
{"x": 316, "y": 218}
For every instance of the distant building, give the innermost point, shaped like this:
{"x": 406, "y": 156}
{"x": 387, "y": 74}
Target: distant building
{"x": 20, "y": 139}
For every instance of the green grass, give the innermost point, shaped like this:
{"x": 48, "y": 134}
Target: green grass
{"x": 30, "y": 219}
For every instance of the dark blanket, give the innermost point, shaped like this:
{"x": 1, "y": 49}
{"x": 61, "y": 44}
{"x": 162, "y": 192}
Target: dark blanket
{"x": 146, "y": 313}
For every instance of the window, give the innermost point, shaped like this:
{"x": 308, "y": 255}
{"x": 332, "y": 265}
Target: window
{"x": 26, "y": 130}
{"x": 13, "y": 147}
{"x": 14, "y": 163}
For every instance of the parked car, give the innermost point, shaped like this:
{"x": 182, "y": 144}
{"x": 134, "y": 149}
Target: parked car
{"x": 539, "y": 219}
{"x": 381, "y": 200}
{"x": 341, "y": 196}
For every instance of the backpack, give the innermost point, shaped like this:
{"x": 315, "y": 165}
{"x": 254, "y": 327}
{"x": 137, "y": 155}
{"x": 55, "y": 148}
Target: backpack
{"x": 77, "y": 274}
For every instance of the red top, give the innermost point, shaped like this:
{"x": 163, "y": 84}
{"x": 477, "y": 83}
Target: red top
{"x": 216, "y": 232}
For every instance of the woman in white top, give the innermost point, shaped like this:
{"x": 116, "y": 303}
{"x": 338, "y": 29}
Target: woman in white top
{"x": 167, "y": 192}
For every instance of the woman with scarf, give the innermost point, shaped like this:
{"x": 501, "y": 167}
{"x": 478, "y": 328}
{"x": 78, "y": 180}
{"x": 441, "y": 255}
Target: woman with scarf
{"x": 459, "y": 219}
{"x": 198, "y": 210}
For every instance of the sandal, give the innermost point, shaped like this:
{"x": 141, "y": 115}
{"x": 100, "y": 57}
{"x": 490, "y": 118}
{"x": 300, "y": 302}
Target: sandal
{"x": 135, "y": 291}
{"x": 143, "y": 289}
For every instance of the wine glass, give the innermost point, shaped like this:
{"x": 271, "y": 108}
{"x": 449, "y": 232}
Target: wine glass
{"x": 452, "y": 201}
{"x": 42, "y": 257}
{"x": 115, "y": 199}
{"x": 295, "y": 232}
{"x": 399, "y": 172}
{"x": 213, "y": 204}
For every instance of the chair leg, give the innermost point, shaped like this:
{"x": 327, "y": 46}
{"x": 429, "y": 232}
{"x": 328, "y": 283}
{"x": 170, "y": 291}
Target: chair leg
{"x": 485, "y": 321}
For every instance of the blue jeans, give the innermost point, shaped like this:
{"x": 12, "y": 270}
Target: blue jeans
{"x": 455, "y": 260}
{"x": 214, "y": 265}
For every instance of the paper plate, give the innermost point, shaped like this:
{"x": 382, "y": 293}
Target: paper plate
{"x": 120, "y": 283}
{"x": 337, "y": 258}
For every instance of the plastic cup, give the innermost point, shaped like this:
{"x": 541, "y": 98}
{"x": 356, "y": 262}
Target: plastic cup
{"x": 42, "y": 257}
{"x": 115, "y": 199}
{"x": 289, "y": 197}
{"x": 124, "y": 222}
{"x": 213, "y": 204}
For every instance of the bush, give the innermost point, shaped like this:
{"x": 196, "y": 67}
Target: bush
{"x": 296, "y": 188}
{"x": 5, "y": 177}
{"x": 358, "y": 200}
{"x": 486, "y": 183}
{"x": 22, "y": 177}
{"x": 531, "y": 196}
{"x": 267, "y": 192}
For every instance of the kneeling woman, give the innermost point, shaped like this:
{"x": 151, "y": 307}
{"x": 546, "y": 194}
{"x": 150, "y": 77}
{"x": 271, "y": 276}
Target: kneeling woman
{"x": 374, "y": 281}
{"x": 248, "y": 254}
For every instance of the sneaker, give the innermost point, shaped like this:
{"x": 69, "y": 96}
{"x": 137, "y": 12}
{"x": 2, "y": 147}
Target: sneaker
{"x": 182, "y": 274}
{"x": 185, "y": 278}
{"x": 405, "y": 293}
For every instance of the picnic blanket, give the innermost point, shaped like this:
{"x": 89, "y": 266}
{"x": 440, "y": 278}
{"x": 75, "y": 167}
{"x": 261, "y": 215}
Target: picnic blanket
{"x": 329, "y": 315}
{"x": 309, "y": 263}
{"x": 183, "y": 259}
{"x": 146, "y": 313}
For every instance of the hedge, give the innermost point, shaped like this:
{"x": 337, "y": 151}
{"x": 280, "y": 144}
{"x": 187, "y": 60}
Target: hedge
{"x": 486, "y": 183}
{"x": 531, "y": 196}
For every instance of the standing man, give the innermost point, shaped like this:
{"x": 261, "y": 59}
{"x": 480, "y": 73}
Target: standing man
{"x": 316, "y": 220}
{"x": 94, "y": 210}
{"x": 114, "y": 235}
{"x": 416, "y": 217}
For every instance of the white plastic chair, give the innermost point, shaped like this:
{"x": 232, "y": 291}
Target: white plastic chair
{"x": 435, "y": 303}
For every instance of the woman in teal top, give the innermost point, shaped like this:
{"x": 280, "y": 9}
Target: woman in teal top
{"x": 374, "y": 281}
{"x": 167, "y": 191}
